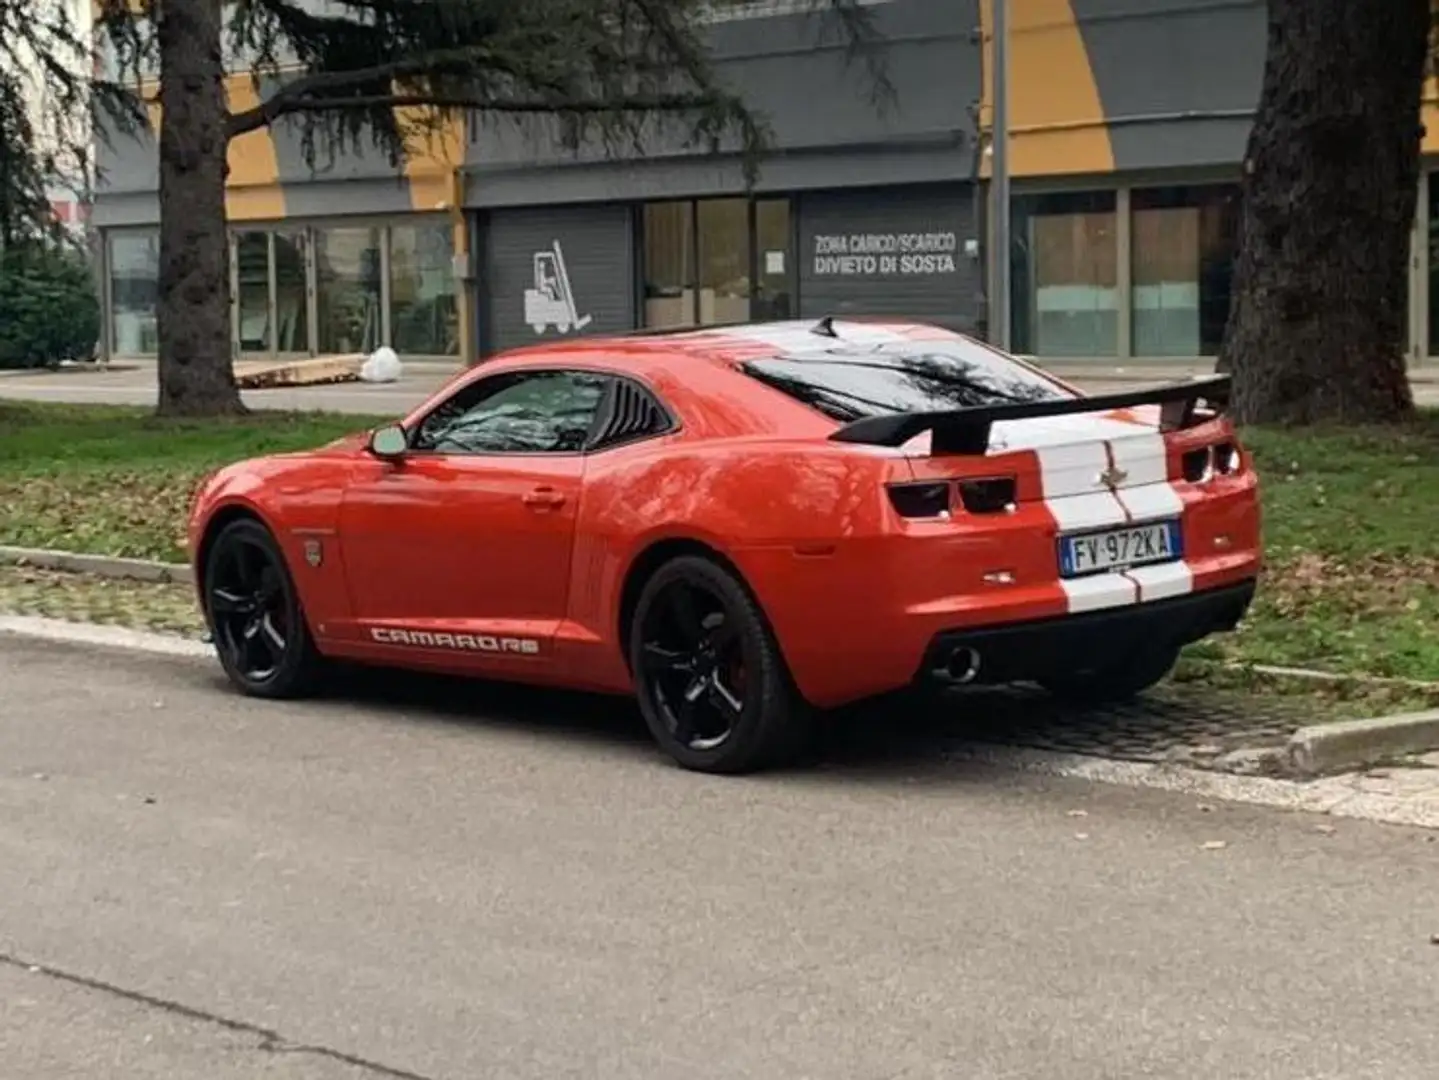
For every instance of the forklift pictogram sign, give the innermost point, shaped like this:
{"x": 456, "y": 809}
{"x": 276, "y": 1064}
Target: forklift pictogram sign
{"x": 551, "y": 302}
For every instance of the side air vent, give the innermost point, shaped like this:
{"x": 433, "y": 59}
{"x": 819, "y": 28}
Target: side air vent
{"x": 628, "y": 414}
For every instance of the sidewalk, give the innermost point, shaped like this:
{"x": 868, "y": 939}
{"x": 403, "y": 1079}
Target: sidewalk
{"x": 134, "y": 384}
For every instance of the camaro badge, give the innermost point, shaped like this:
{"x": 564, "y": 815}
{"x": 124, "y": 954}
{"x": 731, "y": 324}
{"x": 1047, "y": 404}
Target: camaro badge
{"x": 1113, "y": 476}
{"x": 313, "y": 554}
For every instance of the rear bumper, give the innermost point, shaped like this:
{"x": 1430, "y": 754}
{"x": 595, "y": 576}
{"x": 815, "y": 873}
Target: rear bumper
{"x": 1031, "y": 650}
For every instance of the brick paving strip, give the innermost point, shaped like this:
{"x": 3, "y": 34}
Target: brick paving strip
{"x": 1174, "y": 725}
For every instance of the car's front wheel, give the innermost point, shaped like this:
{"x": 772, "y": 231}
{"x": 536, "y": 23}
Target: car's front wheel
{"x": 711, "y": 682}
{"x": 255, "y": 615}
{"x": 1116, "y": 682}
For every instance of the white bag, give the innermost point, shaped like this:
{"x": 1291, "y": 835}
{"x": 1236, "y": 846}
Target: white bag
{"x": 383, "y": 366}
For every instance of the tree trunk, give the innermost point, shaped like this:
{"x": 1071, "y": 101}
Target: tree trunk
{"x": 1317, "y": 328}
{"x": 196, "y": 373}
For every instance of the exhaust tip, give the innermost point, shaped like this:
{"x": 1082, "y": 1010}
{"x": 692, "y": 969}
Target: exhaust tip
{"x": 963, "y": 666}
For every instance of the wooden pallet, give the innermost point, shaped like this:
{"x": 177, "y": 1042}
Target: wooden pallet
{"x": 314, "y": 371}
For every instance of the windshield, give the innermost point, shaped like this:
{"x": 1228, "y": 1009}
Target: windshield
{"x": 851, "y": 382}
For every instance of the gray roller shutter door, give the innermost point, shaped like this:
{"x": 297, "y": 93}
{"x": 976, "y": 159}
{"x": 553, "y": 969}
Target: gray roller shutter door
{"x": 591, "y": 248}
{"x": 890, "y": 251}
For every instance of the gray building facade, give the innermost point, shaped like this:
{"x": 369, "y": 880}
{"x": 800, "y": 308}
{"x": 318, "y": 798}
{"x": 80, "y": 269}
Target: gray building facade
{"x": 862, "y": 204}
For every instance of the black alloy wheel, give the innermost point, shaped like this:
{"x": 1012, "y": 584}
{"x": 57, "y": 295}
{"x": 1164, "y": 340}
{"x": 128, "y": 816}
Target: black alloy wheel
{"x": 254, "y": 613}
{"x": 710, "y": 679}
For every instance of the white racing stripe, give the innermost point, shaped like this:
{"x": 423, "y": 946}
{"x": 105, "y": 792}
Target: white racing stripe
{"x": 1098, "y": 592}
{"x": 1151, "y": 496}
{"x": 1068, "y": 477}
{"x": 1075, "y": 498}
{"x": 1163, "y": 581}
{"x": 1147, "y": 493}
{"x": 1053, "y": 430}
{"x": 797, "y": 335}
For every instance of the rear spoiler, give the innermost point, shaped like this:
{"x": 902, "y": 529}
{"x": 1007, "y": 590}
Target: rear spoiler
{"x": 966, "y": 431}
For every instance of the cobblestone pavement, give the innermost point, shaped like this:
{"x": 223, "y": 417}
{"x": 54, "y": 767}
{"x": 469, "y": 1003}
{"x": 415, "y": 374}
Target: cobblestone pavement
{"x": 1176, "y": 722}
{"x": 1167, "y": 722}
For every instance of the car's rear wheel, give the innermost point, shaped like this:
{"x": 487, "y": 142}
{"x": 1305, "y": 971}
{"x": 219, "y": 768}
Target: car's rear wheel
{"x": 1120, "y": 681}
{"x": 255, "y": 616}
{"x": 711, "y": 682}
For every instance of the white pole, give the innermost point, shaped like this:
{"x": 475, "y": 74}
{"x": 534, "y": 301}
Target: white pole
{"x": 1000, "y": 283}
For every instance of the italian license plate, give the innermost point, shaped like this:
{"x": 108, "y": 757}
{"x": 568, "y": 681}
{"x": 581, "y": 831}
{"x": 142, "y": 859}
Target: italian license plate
{"x": 1118, "y": 548}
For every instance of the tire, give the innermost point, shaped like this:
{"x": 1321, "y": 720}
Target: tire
{"x": 255, "y": 617}
{"x": 739, "y": 657}
{"x": 1120, "y": 682}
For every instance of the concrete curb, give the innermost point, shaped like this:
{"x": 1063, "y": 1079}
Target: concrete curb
{"x": 65, "y": 632}
{"x": 1355, "y": 744}
{"x": 1330, "y": 676}
{"x": 159, "y": 573}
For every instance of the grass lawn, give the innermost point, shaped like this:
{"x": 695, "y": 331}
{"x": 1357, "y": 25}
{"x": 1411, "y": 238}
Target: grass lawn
{"x": 113, "y": 480}
{"x": 1351, "y": 525}
{"x": 1351, "y": 521}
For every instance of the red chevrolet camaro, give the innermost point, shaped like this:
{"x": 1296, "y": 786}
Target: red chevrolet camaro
{"x": 741, "y": 526}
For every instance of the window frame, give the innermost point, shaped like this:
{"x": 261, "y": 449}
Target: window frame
{"x": 612, "y": 379}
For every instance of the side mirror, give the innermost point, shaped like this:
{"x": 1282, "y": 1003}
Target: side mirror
{"x": 389, "y": 442}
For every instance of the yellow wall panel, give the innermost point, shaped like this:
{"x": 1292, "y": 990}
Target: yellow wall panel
{"x": 1429, "y": 117}
{"x": 1056, "y": 120}
{"x": 434, "y": 156}
{"x": 253, "y": 190}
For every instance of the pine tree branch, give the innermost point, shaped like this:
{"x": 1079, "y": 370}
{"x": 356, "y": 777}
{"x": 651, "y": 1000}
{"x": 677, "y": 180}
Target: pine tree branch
{"x": 261, "y": 116}
{"x": 296, "y": 95}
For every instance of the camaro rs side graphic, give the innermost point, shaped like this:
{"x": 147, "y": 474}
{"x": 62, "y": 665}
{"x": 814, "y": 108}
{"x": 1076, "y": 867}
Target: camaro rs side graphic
{"x": 425, "y": 639}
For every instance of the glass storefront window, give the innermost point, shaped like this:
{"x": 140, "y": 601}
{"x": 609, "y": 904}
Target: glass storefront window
{"x": 134, "y": 259}
{"x": 1184, "y": 241}
{"x": 292, "y": 311}
{"x": 347, "y": 289}
{"x": 1432, "y": 240}
{"x": 252, "y": 291}
{"x": 669, "y": 254}
{"x": 270, "y": 320}
{"x": 724, "y": 260}
{"x": 772, "y": 246}
{"x": 716, "y": 261}
{"x": 423, "y": 319}
{"x": 1066, "y": 274}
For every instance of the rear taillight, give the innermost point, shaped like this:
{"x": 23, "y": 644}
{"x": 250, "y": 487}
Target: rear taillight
{"x": 986, "y": 495}
{"x": 1227, "y": 459}
{"x": 920, "y": 500}
{"x": 1208, "y": 462}
{"x": 992, "y": 495}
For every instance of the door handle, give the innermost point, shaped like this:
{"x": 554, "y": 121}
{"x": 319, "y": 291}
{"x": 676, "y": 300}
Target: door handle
{"x": 545, "y": 498}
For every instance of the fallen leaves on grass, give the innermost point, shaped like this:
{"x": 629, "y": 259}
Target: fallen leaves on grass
{"x": 1321, "y": 700}
{"x": 1376, "y": 615}
{"x": 103, "y": 512}
{"x": 1376, "y": 584}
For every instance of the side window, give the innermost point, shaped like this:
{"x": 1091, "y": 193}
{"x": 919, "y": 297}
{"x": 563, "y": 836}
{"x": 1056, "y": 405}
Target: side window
{"x": 517, "y": 412}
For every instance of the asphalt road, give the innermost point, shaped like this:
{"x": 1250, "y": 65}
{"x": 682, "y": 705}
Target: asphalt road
{"x": 430, "y": 880}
